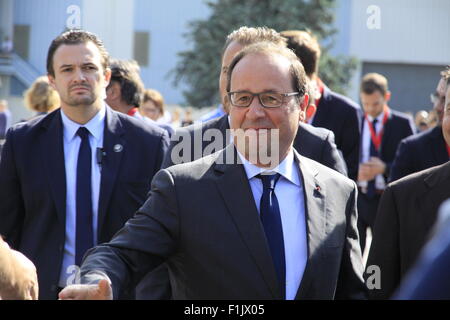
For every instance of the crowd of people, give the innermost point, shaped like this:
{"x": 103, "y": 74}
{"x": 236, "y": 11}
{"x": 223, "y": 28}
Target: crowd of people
{"x": 271, "y": 196}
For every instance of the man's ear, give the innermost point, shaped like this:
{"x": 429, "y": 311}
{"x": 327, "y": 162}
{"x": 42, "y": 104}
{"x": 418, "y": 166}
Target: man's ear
{"x": 51, "y": 80}
{"x": 107, "y": 76}
{"x": 310, "y": 111}
{"x": 387, "y": 96}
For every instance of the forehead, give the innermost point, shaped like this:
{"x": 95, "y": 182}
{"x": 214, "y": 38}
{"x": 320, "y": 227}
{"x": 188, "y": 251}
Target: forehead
{"x": 233, "y": 48}
{"x": 266, "y": 71}
{"x": 376, "y": 95}
{"x": 75, "y": 54}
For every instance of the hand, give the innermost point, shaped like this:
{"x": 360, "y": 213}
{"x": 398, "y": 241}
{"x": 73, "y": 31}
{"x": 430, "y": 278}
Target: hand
{"x": 100, "y": 291}
{"x": 370, "y": 169}
{"x": 23, "y": 283}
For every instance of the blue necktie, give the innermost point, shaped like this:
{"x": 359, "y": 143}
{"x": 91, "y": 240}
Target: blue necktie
{"x": 271, "y": 220}
{"x": 84, "y": 231}
{"x": 373, "y": 153}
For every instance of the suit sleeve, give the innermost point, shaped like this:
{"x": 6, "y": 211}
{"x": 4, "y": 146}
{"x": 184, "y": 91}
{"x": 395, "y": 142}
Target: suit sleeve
{"x": 162, "y": 150}
{"x": 350, "y": 282}
{"x": 331, "y": 157}
{"x": 384, "y": 251}
{"x": 351, "y": 144}
{"x": 402, "y": 164}
{"x": 146, "y": 240}
{"x": 12, "y": 211}
{"x": 407, "y": 130}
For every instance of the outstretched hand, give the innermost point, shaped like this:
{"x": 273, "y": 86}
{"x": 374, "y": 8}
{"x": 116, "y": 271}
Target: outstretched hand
{"x": 100, "y": 291}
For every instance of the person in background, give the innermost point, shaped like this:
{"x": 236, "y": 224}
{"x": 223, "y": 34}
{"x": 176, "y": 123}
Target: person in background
{"x": 176, "y": 118}
{"x": 41, "y": 97}
{"x": 187, "y": 120}
{"x": 152, "y": 105}
{"x": 383, "y": 129}
{"x": 420, "y": 120}
{"x": 334, "y": 112}
{"x": 426, "y": 149}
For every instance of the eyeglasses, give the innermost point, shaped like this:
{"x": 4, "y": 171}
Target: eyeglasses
{"x": 435, "y": 98}
{"x": 267, "y": 99}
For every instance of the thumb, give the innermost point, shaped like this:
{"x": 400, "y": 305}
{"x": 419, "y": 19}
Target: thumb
{"x": 104, "y": 289}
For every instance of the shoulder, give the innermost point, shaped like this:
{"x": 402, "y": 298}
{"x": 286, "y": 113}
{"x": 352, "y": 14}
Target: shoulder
{"x": 400, "y": 116}
{"x": 138, "y": 127}
{"x": 422, "y": 137}
{"x": 35, "y": 125}
{"x": 341, "y": 101}
{"x": 430, "y": 176}
{"x": 314, "y": 132}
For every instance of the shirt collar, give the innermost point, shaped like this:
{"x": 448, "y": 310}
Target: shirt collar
{"x": 287, "y": 168}
{"x": 379, "y": 117}
{"x": 95, "y": 125}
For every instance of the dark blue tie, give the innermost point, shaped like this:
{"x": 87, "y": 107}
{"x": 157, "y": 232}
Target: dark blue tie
{"x": 271, "y": 220}
{"x": 373, "y": 153}
{"x": 84, "y": 229}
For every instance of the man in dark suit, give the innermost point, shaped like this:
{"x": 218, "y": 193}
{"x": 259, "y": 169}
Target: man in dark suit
{"x": 196, "y": 141}
{"x": 334, "y": 111}
{"x": 427, "y": 149}
{"x": 382, "y": 131}
{"x": 406, "y": 215}
{"x": 220, "y": 222}
{"x": 70, "y": 180}
{"x": 407, "y": 212}
{"x": 429, "y": 279}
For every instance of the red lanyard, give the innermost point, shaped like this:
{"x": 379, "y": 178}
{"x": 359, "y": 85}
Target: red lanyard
{"x": 132, "y": 111}
{"x": 376, "y": 138}
{"x": 448, "y": 150}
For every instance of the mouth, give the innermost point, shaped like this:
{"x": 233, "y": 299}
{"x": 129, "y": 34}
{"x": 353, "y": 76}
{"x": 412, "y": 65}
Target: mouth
{"x": 81, "y": 89}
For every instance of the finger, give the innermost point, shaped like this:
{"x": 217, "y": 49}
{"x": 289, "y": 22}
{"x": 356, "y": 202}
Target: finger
{"x": 74, "y": 292}
{"x": 104, "y": 289}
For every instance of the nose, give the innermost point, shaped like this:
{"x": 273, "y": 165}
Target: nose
{"x": 79, "y": 75}
{"x": 255, "y": 109}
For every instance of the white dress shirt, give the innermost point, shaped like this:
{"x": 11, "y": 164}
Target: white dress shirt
{"x": 289, "y": 192}
{"x": 71, "y": 147}
{"x": 380, "y": 183}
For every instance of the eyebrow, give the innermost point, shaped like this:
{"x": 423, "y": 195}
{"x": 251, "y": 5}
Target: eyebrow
{"x": 71, "y": 65}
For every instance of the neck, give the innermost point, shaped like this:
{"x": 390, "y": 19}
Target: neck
{"x": 81, "y": 114}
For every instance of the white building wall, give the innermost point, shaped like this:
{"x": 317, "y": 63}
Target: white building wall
{"x": 47, "y": 19}
{"x": 113, "y": 22}
{"x": 166, "y": 21}
{"x": 411, "y": 31}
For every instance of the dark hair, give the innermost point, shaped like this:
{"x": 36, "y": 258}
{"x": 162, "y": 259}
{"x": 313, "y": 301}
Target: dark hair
{"x": 74, "y": 37}
{"x": 372, "y": 82}
{"x": 296, "y": 69}
{"x": 126, "y": 74}
{"x": 306, "y": 47}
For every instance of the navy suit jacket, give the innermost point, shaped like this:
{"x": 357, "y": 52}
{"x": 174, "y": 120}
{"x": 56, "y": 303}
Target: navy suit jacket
{"x": 314, "y": 143}
{"x": 397, "y": 127}
{"x": 342, "y": 116}
{"x": 33, "y": 186}
{"x": 419, "y": 152}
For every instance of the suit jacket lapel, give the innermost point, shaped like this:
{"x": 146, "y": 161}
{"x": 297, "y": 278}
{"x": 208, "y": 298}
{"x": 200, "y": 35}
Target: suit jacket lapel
{"x": 387, "y": 131}
{"x": 114, "y": 145}
{"x": 242, "y": 209}
{"x": 315, "y": 215}
{"x": 52, "y": 146}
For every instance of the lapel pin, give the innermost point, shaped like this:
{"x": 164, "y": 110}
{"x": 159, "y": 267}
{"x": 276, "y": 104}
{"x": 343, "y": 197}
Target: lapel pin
{"x": 318, "y": 188}
{"x": 118, "y": 148}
